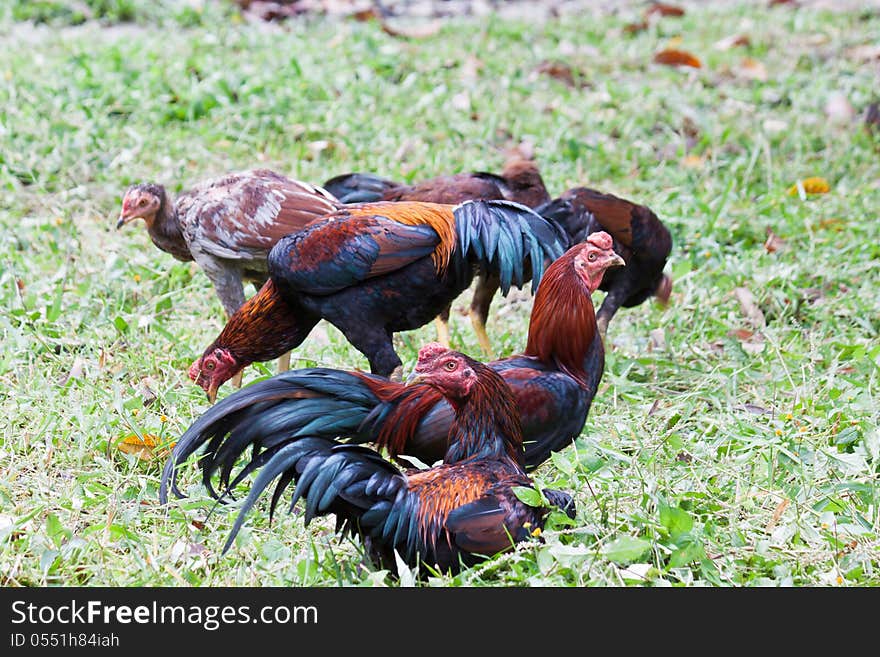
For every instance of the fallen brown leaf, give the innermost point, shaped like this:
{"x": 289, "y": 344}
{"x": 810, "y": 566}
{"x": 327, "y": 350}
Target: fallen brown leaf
{"x": 777, "y": 514}
{"x": 633, "y": 28}
{"x": 663, "y": 9}
{"x": 864, "y": 53}
{"x": 673, "y": 57}
{"x": 741, "y": 334}
{"x": 364, "y": 15}
{"x": 562, "y": 72}
{"x": 733, "y": 41}
{"x": 773, "y": 243}
{"x": 654, "y": 407}
{"x": 413, "y": 32}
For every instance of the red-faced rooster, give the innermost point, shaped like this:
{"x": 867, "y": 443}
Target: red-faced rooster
{"x": 553, "y": 382}
{"x": 639, "y": 237}
{"x": 374, "y": 269}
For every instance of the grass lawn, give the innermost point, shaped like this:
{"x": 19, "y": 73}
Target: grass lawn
{"x": 724, "y": 447}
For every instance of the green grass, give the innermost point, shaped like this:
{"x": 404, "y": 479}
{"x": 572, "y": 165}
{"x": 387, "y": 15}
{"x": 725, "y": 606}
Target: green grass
{"x": 707, "y": 459}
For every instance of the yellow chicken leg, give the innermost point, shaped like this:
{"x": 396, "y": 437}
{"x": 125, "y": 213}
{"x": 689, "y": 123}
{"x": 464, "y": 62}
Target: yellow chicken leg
{"x": 236, "y": 380}
{"x": 482, "y": 336}
{"x": 284, "y": 362}
{"x": 442, "y": 330}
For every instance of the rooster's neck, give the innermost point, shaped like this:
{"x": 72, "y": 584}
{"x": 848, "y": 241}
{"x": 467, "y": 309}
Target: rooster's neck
{"x": 562, "y": 329}
{"x": 487, "y": 423}
{"x": 264, "y": 327}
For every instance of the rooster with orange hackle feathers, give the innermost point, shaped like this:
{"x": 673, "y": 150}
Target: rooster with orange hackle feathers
{"x": 640, "y": 238}
{"x": 553, "y": 382}
{"x": 374, "y": 269}
{"x": 438, "y": 519}
{"x": 519, "y": 181}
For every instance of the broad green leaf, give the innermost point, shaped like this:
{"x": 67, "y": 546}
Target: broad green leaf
{"x": 676, "y": 521}
{"x": 626, "y": 549}
{"x": 562, "y": 463}
{"x": 528, "y": 495}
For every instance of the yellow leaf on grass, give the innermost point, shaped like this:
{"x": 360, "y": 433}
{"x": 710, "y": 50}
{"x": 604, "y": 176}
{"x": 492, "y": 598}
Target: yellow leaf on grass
{"x": 144, "y": 447}
{"x": 814, "y": 185}
{"x": 692, "y": 161}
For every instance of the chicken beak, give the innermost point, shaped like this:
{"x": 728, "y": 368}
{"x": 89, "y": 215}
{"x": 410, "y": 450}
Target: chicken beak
{"x": 616, "y": 261}
{"x": 212, "y": 394}
{"x": 123, "y": 219}
{"x": 413, "y": 379}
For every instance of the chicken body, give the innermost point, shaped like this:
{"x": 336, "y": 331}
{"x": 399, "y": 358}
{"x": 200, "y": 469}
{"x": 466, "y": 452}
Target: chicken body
{"x": 227, "y": 225}
{"x": 520, "y": 181}
{"x": 553, "y": 383}
{"x": 454, "y": 514}
{"x": 375, "y": 269}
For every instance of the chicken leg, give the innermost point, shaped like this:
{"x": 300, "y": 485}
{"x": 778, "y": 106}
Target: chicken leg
{"x": 441, "y": 321}
{"x": 479, "y": 312}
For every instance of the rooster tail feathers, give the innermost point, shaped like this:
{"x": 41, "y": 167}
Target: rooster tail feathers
{"x": 306, "y": 402}
{"x": 500, "y": 234}
{"x": 359, "y": 187}
{"x": 574, "y": 225}
{"x": 334, "y": 478}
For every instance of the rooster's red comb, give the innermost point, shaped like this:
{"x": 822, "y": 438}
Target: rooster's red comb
{"x": 601, "y": 239}
{"x": 432, "y": 350}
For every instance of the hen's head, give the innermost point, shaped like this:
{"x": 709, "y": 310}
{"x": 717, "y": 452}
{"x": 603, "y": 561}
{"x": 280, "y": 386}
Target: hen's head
{"x": 451, "y": 373}
{"x": 216, "y": 366}
{"x": 141, "y": 201}
{"x": 593, "y": 257}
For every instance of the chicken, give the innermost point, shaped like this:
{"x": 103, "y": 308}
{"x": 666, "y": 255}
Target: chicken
{"x": 520, "y": 181}
{"x": 639, "y": 237}
{"x": 553, "y": 381}
{"x": 459, "y": 512}
{"x": 375, "y": 269}
{"x": 227, "y": 225}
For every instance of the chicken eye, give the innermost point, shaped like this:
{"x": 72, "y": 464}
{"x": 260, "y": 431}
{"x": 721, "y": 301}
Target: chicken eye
{"x": 591, "y": 257}
{"x": 451, "y": 365}
{"x": 210, "y": 365}
{"x": 142, "y": 202}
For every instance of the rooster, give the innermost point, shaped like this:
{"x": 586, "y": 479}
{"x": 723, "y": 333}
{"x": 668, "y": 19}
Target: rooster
{"x": 438, "y": 519}
{"x": 639, "y": 237}
{"x": 227, "y": 225}
{"x": 553, "y": 382}
{"x": 374, "y": 269}
{"x": 520, "y": 181}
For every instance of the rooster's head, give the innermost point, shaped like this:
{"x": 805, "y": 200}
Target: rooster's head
{"x": 141, "y": 201}
{"x": 216, "y": 366}
{"x": 593, "y": 257}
